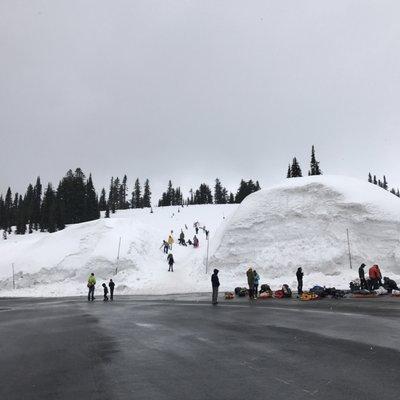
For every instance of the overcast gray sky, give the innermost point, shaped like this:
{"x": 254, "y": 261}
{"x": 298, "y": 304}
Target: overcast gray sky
{"x": 192, "y": 90}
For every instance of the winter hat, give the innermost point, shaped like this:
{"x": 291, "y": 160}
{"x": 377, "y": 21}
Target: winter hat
{"x": 216, "y": 271}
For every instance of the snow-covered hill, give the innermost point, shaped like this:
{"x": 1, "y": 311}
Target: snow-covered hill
{"x": 301, "y": 222}
{"x": 59, "y": 263}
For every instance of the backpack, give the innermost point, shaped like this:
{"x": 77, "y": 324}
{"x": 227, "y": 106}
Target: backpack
{"x": 237, "y": 290}
{"x": 265, "y": 288}
{"x": 243, "y": 292}
{"x": 286, "y": 290}
{"x": 279, "y": 294}
{"x": 229, "y": 296}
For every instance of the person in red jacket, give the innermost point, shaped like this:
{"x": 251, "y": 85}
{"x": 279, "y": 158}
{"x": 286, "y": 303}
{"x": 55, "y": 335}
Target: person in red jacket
{"x": 375, "y": 277}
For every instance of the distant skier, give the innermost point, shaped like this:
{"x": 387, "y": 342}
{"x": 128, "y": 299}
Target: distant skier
{"x": 250, "y": 282}
{"x": 105, "y": 292}
{"x": 171, "y": 262}
{"x": 165, "y": 246}
{"x": 215, "y": 286}
{"x": 111, "y": 285}
{"x": 195, "y": 242}
{"x": 299, "y": 276}
{"x": 256, "y": 283}
{"x": 207, "y": 233}
{"x": 361, "y": 275}
{"x": 91, "y": 285}
{"x": 171, "y": 241}
{"x": 189, "y": 242}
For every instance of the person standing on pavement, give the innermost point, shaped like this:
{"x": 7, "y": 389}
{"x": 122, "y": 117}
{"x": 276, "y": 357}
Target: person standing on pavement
{"x": 256, "y": 283}
{"x": 250, "y": 282}
{"x": 215, "y": 286}
{"x": 111, "y": 285}
{"x": 361, "y": 275}
{"x": 105, "y": 298}
{"x": 299, "y": 276}
{"x": 91, "y": 285}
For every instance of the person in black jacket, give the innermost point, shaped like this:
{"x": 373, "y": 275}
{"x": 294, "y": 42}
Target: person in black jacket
{"x": 171, "y": 261}
{"x": 215, "y": 286}
{"x": 361, "y": 275}
{"x": 299, "y": 275}
{"x": 105, "y": 292}
{"x": 111, "y": 285}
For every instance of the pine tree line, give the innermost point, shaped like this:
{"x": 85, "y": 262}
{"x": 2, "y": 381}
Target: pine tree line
{"x": 118, "y": 196}
{"x": 205, "y": 195}
{"x": 75, "y": 200}
{"x": 294, "y": 169}
{"x": 383, "y": 184}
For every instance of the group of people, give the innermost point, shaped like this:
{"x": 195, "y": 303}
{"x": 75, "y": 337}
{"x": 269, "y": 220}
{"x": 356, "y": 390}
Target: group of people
{"x": 253, "y": 280}
{"x": 92, "y": 284}
{"x": 374, "y": 279}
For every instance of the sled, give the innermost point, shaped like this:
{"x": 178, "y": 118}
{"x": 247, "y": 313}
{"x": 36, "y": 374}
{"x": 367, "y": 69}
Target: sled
{"x": 307, "y": 296}
{"x": 265, "y": 295}
{"x": 363, "y": 296}
{"x": 279, "y": 294}
{"x": 229, "y": 295}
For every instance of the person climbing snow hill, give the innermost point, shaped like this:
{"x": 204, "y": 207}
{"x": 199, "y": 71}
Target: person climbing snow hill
{"x": 171, "y": 262}
{"x": 170, "y": 241}
{"x": 195, "y": 241}
{"x": 182, "y": 239}
{"x": 165, "y": 246}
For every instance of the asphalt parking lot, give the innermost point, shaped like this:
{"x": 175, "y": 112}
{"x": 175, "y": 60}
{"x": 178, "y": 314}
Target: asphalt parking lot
{"x": 184, "y": 348}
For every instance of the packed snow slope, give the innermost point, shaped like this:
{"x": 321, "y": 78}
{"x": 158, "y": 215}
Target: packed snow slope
{"x": 59, "y": 263}
{"x": 303, "y": 222}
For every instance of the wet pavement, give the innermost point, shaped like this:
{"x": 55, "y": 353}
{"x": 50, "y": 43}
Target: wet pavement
{"x": 181, "y": 347}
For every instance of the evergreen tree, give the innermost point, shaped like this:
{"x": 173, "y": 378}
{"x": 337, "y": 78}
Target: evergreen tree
{"x": 375, "y": 182}
{"x": 370, "y": 178}
{"x": 92, "y": 204}
{"x": 231, "y": 198}
{"x": 107, "y": 211}
{"x": 246, "y": 188}
{"x": 137, "y": 195}
{"x": 103, "y": 201}
{"x": 220, "y": 193}
{"x": 314, "y": 164}
{"x": 8, "y": 204}
{"x": 146, "y": 200}
{"x": 384, "y": 183}
{"x": 123, "y": 204}
{"x": 48, "y": 211}
{"x": 203, "y": 195}
{"x": 36, "y": 205}
{"x": 296, "y": 170}
{"x": 289, "y": 172}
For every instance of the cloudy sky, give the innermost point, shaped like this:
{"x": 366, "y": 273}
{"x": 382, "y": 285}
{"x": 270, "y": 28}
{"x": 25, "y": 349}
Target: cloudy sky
{"x": 192, "y": 90}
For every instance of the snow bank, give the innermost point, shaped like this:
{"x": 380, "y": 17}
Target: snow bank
{"x": 59, "y": 263}
{"x": 303, "y": 222}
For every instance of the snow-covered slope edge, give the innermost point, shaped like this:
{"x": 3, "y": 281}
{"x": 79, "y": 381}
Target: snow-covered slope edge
{"x": 59, "y": 263}
{"x": 303, "y": 222}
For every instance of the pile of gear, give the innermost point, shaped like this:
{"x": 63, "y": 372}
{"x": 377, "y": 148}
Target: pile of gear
{"x": 265, "y": 292}
{"x": 372, "y": 285}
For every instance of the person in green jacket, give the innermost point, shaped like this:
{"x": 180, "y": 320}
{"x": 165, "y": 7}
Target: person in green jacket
{"x": 91, "y": 285}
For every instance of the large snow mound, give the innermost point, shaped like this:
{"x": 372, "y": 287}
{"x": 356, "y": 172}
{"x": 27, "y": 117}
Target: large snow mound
{"x": 304, "y": 222}
{"x": 59, "y": 263}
